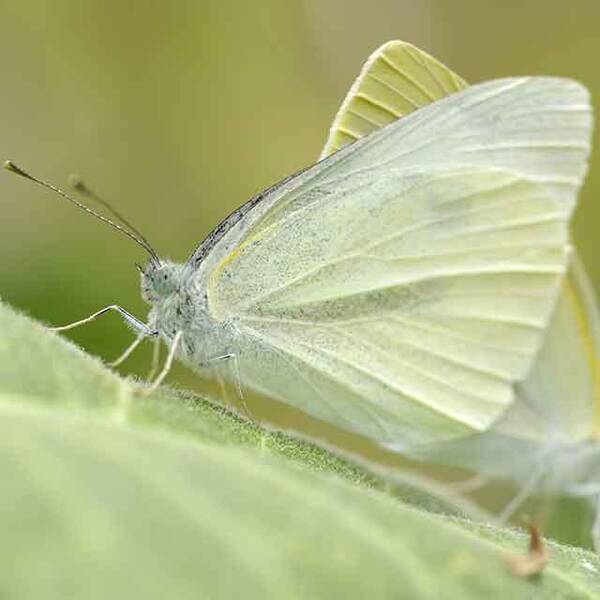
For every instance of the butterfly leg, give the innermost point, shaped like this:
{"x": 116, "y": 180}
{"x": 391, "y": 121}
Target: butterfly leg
{"x": 132, "y": 321}
{"x": 223, "y": 389}
{"x": 155, "y": 359}
{"x": 168, "y": 364}
{"x": 237, "y": 378}
{"x": 523, "y": 494}
{"x": 127, "y": 352}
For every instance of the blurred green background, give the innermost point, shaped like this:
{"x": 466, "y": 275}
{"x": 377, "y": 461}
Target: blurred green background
{"x": 177, "y": 112}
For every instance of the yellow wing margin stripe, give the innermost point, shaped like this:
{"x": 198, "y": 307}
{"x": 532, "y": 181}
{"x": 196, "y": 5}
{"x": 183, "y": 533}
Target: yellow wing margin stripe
{"x": 233, "y": 255}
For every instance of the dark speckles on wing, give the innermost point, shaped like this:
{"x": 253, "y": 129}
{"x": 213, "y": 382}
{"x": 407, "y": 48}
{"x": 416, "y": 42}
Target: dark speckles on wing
{"x": 222, "y": 228}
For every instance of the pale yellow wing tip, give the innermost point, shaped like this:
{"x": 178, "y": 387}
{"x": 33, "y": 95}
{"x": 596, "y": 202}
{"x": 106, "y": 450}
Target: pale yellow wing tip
{"x": 395, "y": 54}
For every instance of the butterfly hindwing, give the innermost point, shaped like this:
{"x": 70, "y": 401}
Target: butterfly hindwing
{"x": 397, "y": 79}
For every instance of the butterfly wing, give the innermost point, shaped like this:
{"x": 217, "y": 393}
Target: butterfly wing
{"x": 397, "y": 79}
{"x": 563, "y": 387}
{"x": 564, "y": 382}
{"x": 402, "y": 286}
{"x": 411, "y": 317}
{"x": 555, "y": 413}
{"x": 558, "y": 404}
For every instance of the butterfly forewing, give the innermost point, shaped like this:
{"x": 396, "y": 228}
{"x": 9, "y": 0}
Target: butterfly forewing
{"x": 560, "y": 399}
{"x": 536, "y": 127}
{"x": 402, "y": 286}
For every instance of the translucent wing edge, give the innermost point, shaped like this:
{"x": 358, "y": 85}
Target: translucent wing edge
{"x": 586, "y": 307}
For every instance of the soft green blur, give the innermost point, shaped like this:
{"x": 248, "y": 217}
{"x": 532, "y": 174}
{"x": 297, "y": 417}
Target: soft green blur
{"x": 177, "y": 112}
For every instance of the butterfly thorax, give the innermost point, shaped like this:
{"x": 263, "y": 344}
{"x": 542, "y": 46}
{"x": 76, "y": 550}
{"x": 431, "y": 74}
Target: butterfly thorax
{"x": 178, "y": 304}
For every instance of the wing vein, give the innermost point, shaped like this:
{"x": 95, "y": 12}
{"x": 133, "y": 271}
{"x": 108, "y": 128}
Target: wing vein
{"x": 406, "y": 76}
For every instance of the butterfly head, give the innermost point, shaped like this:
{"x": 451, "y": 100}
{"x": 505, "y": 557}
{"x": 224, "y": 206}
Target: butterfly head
{"x": 159, "y": 280}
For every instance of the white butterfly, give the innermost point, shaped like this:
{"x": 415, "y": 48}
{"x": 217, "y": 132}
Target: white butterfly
{"x": 402, "y": 286}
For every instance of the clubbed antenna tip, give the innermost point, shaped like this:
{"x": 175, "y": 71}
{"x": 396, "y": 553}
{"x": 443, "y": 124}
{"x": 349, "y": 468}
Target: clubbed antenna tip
{"x": 78, "y": 184}
{"x": 9, "y": 165}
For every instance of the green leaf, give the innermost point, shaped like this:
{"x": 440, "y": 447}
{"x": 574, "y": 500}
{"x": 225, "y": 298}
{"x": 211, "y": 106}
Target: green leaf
{"x": 40, "y": 367}
{"x": 94, "y": 510}
{"x": 106, "y": 494}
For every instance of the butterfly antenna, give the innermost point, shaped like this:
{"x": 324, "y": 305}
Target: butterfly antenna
{"x": 77, "y": 183}
{"x": 138, "y": 239}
